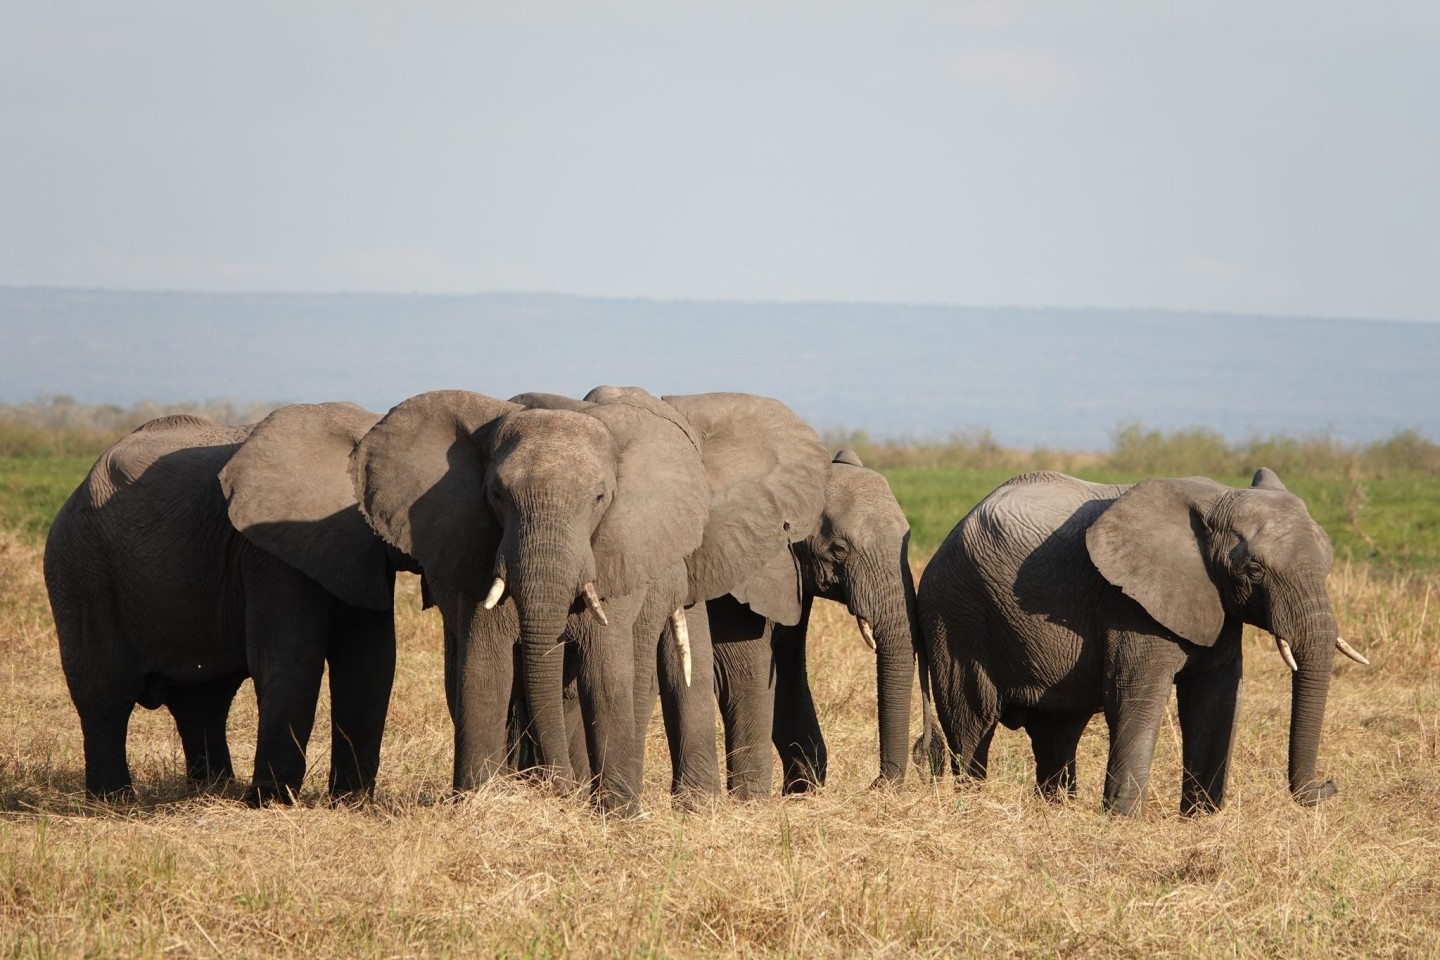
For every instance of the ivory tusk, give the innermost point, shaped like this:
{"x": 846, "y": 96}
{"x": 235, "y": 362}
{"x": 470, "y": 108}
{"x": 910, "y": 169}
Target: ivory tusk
{"x": 681, "y": 629}
{"x": 1350, "y": 651}
{"x": 867, "y": 634}
{"x": 497, "y": 590}
{"x": 1284, "y": 647}
{"x": 592, "y": 600}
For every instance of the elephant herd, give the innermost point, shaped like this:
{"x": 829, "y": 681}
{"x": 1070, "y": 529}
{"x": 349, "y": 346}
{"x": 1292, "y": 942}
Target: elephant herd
{"x": 590, "y": 557}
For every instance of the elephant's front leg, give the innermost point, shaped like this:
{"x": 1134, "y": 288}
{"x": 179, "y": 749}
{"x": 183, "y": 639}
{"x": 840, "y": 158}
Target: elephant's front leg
{"x": 1137, "y": 694}
{"x": 362, "y": 672}
{"x": 607, "y": 677}
{"x": 481, "y": 668}
{"x": 689, "y": 710}
{"x": 745, "y": 686}
{"x": 287, "y": 625}
{"x": 1208, "y": 703}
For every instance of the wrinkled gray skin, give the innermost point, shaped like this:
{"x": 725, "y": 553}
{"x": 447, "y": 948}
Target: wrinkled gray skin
{"x": 194, "y": 555}
{"x": 548, "y": 499}
{"x": 856, "y": 554}
{"x": 1055, "y": 599}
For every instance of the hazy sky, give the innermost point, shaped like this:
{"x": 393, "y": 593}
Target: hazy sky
{"x": 1226, "y": 155}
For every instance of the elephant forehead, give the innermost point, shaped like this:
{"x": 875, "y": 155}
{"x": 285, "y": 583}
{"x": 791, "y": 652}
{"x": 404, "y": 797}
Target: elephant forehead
{"x": 1277, "y": 528}
{"x": 858, "y": 499}
{"x": 545, "y": 435}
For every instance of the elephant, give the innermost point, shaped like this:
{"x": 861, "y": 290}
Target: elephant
{"x": 556, "y": 506}
{"x": 1055, "y": 599}
{"x": 855, "y": 552}
{"x": 194, "y": 555}
{"x": 542, "y": 524}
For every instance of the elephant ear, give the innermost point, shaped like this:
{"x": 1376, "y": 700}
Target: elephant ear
{"x": 661, "y": 499}
{"x": 767, "y": 473}
{"x": 549, "y": 401}
{"x": 1267, "y": 479}
{"x": 288, "y": 491}
{"x": 419, "y": 476}
{"x": 1150, "y": 544}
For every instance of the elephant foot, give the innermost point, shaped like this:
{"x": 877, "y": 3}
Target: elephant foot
{"x": 930, "y": 755}
{"x": 884, "y": 782}
{"x": 120, "y": 795}
{"x": 268, "y": 794}
{"x": 1314, "y": 793}
{"x": 611, "y": 805}
{"x": 800, "y": 787}
{"x": 349, "y": 799}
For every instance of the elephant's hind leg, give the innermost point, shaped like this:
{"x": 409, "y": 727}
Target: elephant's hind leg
{"x": 362, "y": 672}
{"x": 970, "y": 722}
{"x": 201, "y": 713}
{"x": 104, "y": 725}
{"x": 1207, "y": 704}
{"x": 1054, "y": 738}
{"x": 797, "y": 737}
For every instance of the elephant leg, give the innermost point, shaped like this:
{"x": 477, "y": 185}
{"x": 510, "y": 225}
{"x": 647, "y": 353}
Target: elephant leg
{"x": 796, "y": 728}
{"x": 201, "y": 713}
{"x": 287, "y": 622}
{"x": 1135, "y": 704}
{"x": 575, "y": 718}
{"x": 1054, "y": 738}
{"x": 745, "y": 684}
{"x": 488, "y": 693}
{"x": 362, "y": 672}
{"x": 104, "y": 724}
{"x": 1207, "y": 704}
{"x": 689, "y": 711}
{"x": 607, "y": 699}
{"x": 969, "y": 725}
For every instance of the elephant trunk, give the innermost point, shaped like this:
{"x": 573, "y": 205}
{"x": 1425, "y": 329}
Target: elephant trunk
{"x": 885, "y": 599}
{"x": 1312, "y": 633}
{"x": 545, "y": 588}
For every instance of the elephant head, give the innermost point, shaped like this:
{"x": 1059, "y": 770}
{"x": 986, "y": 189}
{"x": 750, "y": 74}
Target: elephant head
{"x": 550, "y": 508}
{"x": 857, "y": 554}
{"x": 289, "y": 492}
{"x": 1196, "y": 554}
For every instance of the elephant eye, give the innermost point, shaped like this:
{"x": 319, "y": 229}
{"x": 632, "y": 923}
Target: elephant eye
{"x": 1253, "y": 569}
{"x": 840, "y": 550}
{"x": 600, "y": 496}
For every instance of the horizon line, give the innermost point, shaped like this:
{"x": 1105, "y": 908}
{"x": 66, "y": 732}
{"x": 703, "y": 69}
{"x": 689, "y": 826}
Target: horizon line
{"x": 732, "y": 301}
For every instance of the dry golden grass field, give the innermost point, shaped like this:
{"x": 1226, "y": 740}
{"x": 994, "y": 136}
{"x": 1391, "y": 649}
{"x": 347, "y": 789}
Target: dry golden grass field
{"x": 924, "y": 870}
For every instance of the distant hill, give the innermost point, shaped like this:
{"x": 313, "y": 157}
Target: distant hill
{"x": 1034, "y": 376}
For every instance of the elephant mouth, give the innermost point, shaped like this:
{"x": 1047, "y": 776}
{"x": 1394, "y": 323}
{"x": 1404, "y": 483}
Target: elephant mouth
{"x": 678, "y": 625}
{"x": 1288, "y": 655}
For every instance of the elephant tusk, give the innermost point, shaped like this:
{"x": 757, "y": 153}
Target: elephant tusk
{"x": 497, "y": 590}
{"x": 681, "y": 629}
{"x": 866, "y": 634}
{"x": 1284, "y": 647}
{"x": 592, "y": 600}
{"x": 1350, "y": 651}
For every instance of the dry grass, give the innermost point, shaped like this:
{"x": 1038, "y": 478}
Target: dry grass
{"x": 923, "y": 870}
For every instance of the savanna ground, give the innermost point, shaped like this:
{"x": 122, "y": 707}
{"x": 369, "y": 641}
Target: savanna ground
{"x": 924, "y": 869}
